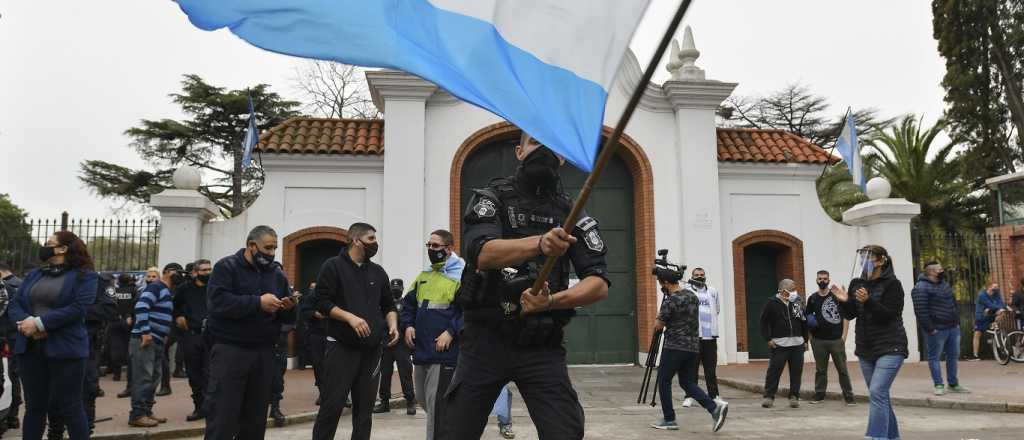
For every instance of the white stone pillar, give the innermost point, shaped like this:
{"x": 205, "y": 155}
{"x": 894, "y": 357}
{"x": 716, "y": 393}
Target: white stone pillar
{"x": 886, "y": 222}
{"x": 699, "y": 220}
{"x": 183, "y": 212}
{"x": 402, "y": 97}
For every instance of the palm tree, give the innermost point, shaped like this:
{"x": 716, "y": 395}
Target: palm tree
{"x": 901, "y": 154}
{"x": 837, "y": 192}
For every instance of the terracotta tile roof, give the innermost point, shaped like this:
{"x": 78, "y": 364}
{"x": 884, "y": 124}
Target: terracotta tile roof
{"x": 324, "y": 136}
{"x": 771, "y": 146}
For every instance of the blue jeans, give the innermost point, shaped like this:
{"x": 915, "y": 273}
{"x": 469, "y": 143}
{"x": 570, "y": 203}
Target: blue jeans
{"x": 52, "y": 386}
{"x": 944, "y": 341}
{"x": 683, "y": 364}
{"x": 503, "y": 407}
{"x": 879, "y": 375}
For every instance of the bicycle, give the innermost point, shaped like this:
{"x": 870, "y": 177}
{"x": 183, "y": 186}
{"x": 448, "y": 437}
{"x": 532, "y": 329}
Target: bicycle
{"x": 1007, "y": 339}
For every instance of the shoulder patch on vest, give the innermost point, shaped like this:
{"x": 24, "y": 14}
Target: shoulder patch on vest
{"x": 586, "y": 223}
{"x": 594, "y": 241}
{"x": 484, "y": 208}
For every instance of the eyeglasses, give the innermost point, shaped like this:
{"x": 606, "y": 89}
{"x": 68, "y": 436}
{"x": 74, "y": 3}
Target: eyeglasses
{"x": 435, "y": 246}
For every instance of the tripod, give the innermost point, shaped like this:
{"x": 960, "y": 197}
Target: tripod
{"x": 649, "y": 370}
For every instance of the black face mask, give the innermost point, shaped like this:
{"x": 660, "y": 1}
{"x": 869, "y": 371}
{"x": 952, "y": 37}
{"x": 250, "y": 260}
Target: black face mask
{"x": 46, "y": 253}
{"x": 203, "y": 278}
{"x": 369, "y": 249}
{"x": 942, "y": 276}
{"x": 539, "y": 172}
{"x": 822, "y": 284}
{"x": 436, "y": 256}
{"x": 699, "y": 281}
{"x": 261, "y": 260}
{"x": 176, "y": 280}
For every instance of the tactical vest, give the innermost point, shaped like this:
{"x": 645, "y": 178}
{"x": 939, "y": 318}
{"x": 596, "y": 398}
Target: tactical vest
{"x": 124, "y": 299}
{"x": 499, "y": 295}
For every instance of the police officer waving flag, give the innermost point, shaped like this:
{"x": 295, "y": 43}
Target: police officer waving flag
{"x": 511, "y": 334}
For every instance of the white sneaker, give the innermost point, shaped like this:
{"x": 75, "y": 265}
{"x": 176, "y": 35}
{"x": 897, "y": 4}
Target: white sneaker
{"x": 719, "y": 401}
{"x": 688, "y": 402}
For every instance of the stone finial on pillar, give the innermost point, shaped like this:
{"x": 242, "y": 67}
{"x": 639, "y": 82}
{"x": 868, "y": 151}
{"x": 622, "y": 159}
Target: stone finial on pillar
{"x": 687, "y": 59}
{"x": 183, "y": 212}
{"x": 673, "y": 64}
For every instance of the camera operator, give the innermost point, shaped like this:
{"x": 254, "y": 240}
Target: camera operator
{"x": 679, "y": 318}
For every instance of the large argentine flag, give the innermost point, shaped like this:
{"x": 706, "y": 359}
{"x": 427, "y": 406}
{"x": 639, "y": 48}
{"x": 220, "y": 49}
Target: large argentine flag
{"x": 849, "y": 148}
{"x": 544, "y": 65}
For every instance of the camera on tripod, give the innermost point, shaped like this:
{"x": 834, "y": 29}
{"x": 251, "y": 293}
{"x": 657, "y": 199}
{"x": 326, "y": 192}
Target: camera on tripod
{"x": 665, "y": 271}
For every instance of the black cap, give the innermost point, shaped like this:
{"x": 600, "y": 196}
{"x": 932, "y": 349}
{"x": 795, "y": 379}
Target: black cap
{"x": 173, "y": 266}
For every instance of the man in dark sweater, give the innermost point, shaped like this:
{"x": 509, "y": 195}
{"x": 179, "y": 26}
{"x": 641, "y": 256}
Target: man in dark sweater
{"x": 189, "y": 314}
{"x": 939, "y": 317}
{"x": 783, "y": 326}
{"x": 828, "y": 330}
{"x": 354, "y": 294}
{"x": 246, "y": 296}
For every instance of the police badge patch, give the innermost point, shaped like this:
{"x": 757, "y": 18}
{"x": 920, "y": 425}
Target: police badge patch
{"x": 484, "y": 208}
{"x": 594, "y": 241}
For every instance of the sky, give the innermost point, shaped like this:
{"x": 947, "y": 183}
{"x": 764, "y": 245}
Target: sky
{"x": 75, "y": 75}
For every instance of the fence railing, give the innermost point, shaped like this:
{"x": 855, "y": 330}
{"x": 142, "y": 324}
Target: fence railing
{"x": 972, "y": 260}
{"x": 115, "y": 244}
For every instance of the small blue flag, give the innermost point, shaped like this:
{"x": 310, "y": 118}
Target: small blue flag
{"x": 252, "y": 137}
{"x": 849, "y": 148}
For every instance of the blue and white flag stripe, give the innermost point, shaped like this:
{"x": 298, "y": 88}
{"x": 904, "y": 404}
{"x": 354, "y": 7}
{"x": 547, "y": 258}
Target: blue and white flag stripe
{"x": 544, "y": 65}
{"x": 849, "y": 148}
{"x": 252, "y": 137}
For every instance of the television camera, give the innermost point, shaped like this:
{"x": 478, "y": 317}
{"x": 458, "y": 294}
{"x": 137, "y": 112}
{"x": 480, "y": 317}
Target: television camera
{"x": 666, "y": 271}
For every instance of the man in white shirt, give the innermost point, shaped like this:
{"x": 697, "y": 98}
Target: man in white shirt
{"x": 710, "y": 308}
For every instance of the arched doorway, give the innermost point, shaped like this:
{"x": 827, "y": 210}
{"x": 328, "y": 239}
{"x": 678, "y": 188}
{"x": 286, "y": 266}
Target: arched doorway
{"x": 605, "y": 332}
{"x": 760, "y": 260}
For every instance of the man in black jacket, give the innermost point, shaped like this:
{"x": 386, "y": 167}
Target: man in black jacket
{"x": 316, "y": 337}
{"x": 783, "y": 326}
{"x": 245, "y": 297}
{"x": 354, "y": 293}
{"x": 189, "y": 314}
{"x": 9, "y": 332}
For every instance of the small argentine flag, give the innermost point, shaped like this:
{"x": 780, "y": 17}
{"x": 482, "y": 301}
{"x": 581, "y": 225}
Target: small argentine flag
{"x": 849, "y": 148}
{"x": 252, "y": 137}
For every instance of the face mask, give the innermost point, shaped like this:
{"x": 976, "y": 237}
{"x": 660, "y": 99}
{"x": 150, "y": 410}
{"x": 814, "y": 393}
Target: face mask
{"x": 823, "y": 284}
{"x": 177, "y": 279}
{"x": 203, "y": 278}
{"x": 793, "y": 296}
{"x": 437, "y": 256}
{"x": 942, "y": 276}
{"x": 539, "y": 171}
{"x": 261, "y": 260}
{"x": 699, "y": 281}
{"x": 46, "y": 253}
{"x": 369, "y": 249}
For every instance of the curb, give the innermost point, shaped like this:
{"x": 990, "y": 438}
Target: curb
{"x": 998, "y": 407}
{"x": 196, "y": 431}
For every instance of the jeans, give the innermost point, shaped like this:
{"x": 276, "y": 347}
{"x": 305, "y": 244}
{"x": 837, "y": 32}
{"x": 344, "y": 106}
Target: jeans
{"x": 944, "y": 341}
{"x": 681, "y": 363}
{"x": 145, "y": 376}
{"x": 823, "y": 349}
{"x": 503, "y": 407}
{"x": 794, "y": 356}
{"x": 52, "y": 386}
{"x": 879, "y": 375}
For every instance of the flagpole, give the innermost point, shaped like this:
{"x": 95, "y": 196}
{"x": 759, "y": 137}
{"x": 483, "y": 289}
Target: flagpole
{"x": 612, "y": 143}
{"x": 836, "y": 142}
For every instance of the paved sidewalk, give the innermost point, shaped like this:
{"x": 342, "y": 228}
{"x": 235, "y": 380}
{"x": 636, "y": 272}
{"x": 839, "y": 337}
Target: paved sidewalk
{"x": 993, "y": 387}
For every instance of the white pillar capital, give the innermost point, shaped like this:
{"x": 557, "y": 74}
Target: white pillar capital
{"x": 392, "y": 85}
{"x": 183, "y": 212}
{"x": 882, "y": 211}
{"x": 702, "y": 95}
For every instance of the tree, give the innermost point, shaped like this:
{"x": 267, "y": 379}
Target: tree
{"x": 983, "y": 44}
{"x": 334, "y": 90}
{"x": 210, "y": 138}
{"x": 16, "y": 245}
{"x": 901, "y": 154}
{"x": 796, "y": 109}
{"x": 837, "y": 192}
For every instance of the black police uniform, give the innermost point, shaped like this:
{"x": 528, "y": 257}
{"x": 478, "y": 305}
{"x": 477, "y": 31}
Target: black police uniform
{"x": 9, "y": 332}
{"x": 280, "y": 367}
{"x": 119, "y": 331}
{"x": 190, "y": 303}
{"x": 497, "y": 346}
{"x": 316, "y": 337}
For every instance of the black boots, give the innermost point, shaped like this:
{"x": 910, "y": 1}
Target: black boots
{"x": 277, "y": 415}
{"x": 165, "y": 390}
{"x": 382, "y": 407}
{"x": 410, "y": 407}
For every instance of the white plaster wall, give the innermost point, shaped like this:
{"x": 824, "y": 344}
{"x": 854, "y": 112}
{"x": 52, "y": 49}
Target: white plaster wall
{"x": 304, "y": 191}
{"x": 783, "y": 198}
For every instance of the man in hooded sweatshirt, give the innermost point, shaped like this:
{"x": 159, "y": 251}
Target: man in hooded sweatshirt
{"x": 783, "y": 326}
{"x": 431, "y": 323}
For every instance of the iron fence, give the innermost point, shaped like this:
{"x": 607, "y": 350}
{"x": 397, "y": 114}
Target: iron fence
{"x": 972, "y": 260}
{"x": 115, "y": 244}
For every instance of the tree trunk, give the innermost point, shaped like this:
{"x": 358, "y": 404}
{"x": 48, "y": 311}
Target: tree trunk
{"x": 237, "y": 199}
{"x": 1013, "y": 93}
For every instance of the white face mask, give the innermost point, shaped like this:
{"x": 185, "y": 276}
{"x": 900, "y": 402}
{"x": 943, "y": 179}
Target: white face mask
{"x": 793, "y": 296}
